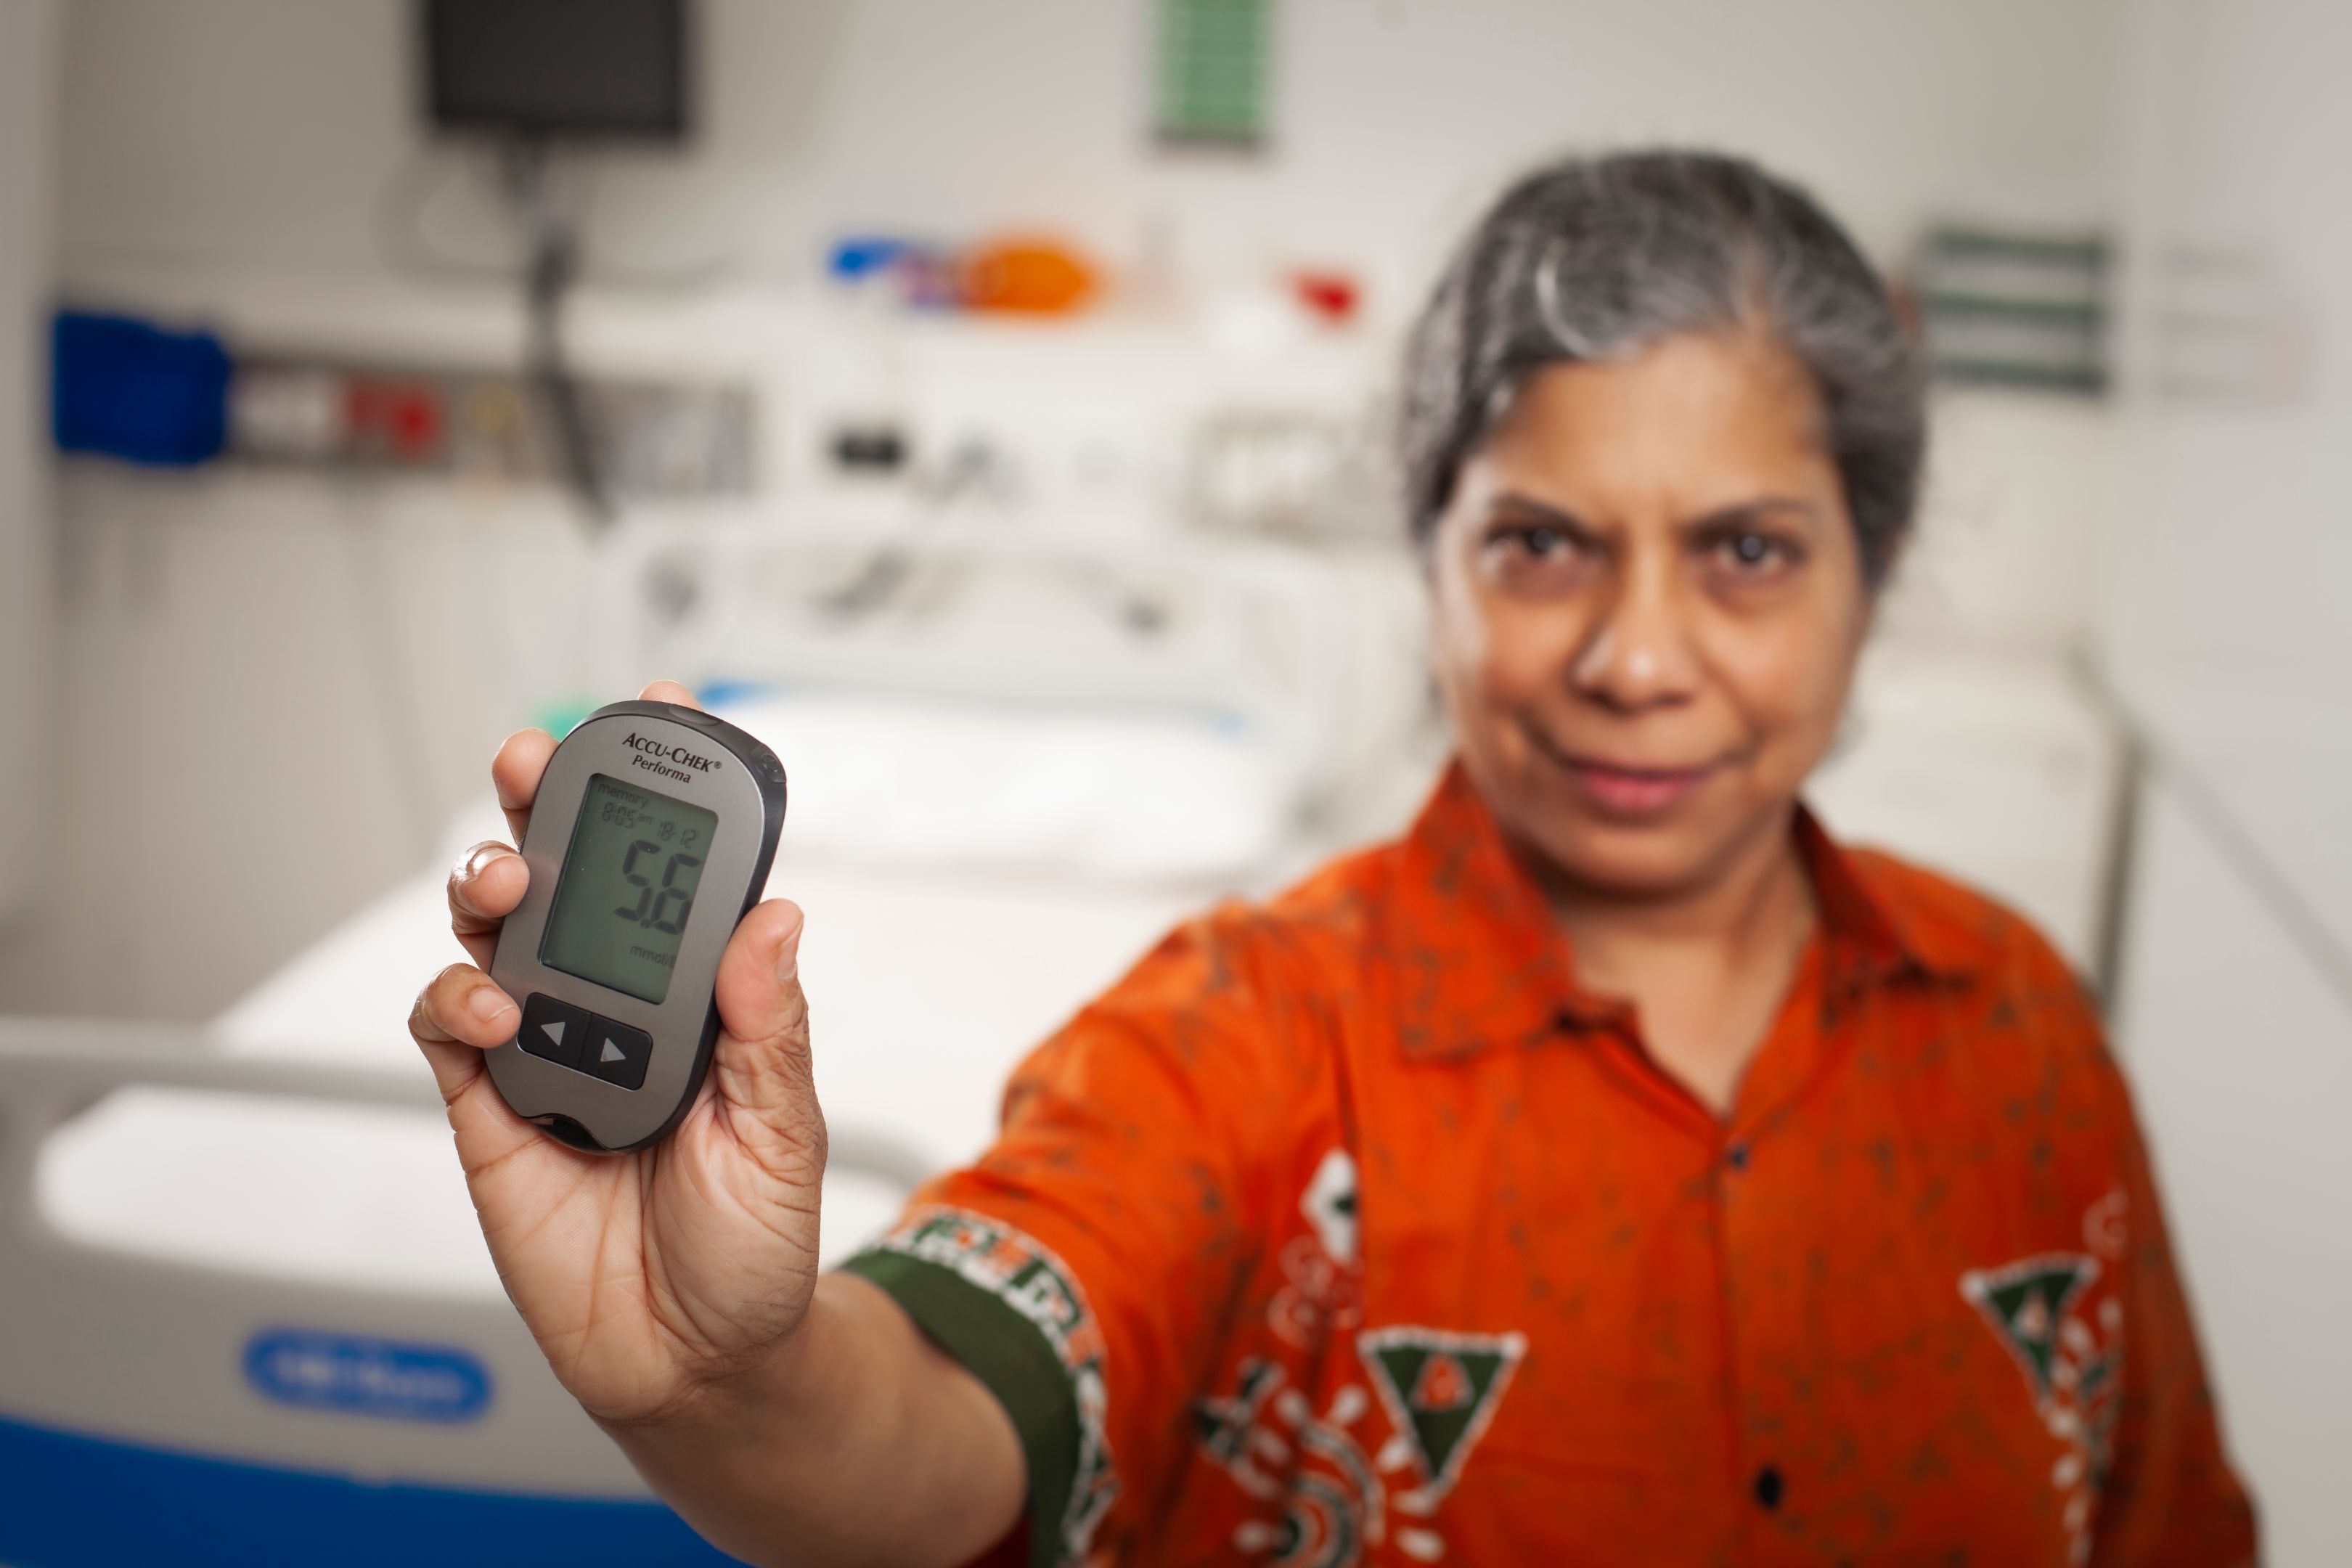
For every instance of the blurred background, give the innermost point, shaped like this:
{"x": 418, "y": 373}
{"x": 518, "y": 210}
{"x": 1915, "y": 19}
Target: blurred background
{"x": 986, "y": 404}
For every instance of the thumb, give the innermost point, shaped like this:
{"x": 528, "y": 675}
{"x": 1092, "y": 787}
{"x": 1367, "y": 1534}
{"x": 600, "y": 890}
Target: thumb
{"x": 762, "y": 1060}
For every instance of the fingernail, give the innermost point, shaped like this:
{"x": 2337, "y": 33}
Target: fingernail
{"x": 788, "y": 953}
{"x": 487, "y": 1002}
{"x": 480, "y": 858}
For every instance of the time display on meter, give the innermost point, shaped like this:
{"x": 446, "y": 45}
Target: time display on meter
{"x": 626, "y": 888}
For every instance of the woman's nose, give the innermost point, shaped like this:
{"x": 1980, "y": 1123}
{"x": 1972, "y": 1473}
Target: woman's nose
{"x": 1638, "y": 654}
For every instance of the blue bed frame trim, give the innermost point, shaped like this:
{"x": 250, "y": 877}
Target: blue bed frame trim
{"x": 76, "y": 1501}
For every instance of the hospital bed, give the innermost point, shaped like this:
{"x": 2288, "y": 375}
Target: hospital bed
{"x": 252, "y": 1318}
{"x": 244, "y": 1282}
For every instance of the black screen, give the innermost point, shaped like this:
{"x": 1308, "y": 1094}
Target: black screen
{"x": 558, "y": 68}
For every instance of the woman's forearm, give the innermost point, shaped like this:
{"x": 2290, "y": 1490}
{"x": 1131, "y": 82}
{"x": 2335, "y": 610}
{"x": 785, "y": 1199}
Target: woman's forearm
{"x": 859, "y": 1441}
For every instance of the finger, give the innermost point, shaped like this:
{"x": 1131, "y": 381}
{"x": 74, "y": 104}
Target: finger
{"x": 456, "y": 1018}
{"x": 487, "y": 1130}
{"x": 487, "y": 883}
{"x": 515, "y": 773}
{"x": 459, "y": 1015}
{"x": 670, "y": 691}
{"x": 762, "y": 1062}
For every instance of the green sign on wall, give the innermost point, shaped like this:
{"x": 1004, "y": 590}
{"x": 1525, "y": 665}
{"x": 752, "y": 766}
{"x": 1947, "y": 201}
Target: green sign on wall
{"x": 1214, "y": 72}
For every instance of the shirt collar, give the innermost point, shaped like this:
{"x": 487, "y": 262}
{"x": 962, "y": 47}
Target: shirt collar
{"x": 1482, "y": 961}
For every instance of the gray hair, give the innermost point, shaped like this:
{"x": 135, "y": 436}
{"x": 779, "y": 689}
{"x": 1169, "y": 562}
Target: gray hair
{"x": 1590, "y": 259}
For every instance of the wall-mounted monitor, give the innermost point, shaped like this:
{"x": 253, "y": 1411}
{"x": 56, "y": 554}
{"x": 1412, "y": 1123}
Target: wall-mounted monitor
{"x": 558, "y": 69}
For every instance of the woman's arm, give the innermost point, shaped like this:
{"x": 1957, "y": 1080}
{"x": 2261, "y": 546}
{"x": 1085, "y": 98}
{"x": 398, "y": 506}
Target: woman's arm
{"x": 2172, "y": 1500}
{"x": 675, "y": 1290}
{"x": 858, "y": 1441}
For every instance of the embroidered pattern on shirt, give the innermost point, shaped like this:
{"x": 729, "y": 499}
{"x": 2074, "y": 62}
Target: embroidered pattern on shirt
{"x": 1441, "y": 1389}
{"x": 1026, "y": 1276}
{"x": 1312, "y": 1468}
{"x": 1329, "y": 1205}
{"x": 2066, "y": 1337}
{"x": 1338, "y": 1490}
{"x": 1318, "y": 1292}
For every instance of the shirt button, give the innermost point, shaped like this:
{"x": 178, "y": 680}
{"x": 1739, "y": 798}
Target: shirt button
{"x": 1736, "y": 1156}
{"x": 1767, "y": 1487}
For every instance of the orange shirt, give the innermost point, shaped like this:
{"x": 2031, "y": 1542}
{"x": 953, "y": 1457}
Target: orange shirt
{"x": 1348, "y": 1229}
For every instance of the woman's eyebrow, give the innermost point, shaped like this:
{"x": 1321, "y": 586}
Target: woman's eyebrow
{"x": 1527, "y": 508}
{"x": 1754, "y": 510}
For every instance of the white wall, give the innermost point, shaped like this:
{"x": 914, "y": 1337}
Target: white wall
{"x": 2222, "y": 618}
{"x": 30, "y": 42}
{"x": 2223, "y": 582}
{"x": 265, "y": 131}
{"x": 275, "y": 691}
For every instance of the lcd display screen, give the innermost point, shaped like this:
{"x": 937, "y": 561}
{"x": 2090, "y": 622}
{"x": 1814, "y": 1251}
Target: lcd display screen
{"x": 627, "y": 889}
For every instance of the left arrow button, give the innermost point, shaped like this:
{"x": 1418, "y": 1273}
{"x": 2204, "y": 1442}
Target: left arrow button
{"x": 552, "y": 1029}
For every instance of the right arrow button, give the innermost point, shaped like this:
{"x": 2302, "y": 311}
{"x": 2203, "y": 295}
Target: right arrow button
{"x": 618, "y": 1054}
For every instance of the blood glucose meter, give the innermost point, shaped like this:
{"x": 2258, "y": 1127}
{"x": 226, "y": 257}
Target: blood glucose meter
{"x": 650, "y": 838}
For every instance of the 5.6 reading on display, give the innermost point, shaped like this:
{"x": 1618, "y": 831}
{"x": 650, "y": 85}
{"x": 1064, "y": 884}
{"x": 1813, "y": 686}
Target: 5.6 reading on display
{"x": 626, "y": 888}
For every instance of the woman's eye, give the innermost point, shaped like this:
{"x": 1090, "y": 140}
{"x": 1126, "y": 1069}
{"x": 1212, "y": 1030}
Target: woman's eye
{"x": 1536, "y": 542}
{"x": 1534, "y": 557}
{"x": 1753, "y": 552}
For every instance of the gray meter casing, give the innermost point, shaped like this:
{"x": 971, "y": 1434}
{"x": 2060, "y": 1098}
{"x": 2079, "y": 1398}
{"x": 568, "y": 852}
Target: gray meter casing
{"x": 690, "y": 757}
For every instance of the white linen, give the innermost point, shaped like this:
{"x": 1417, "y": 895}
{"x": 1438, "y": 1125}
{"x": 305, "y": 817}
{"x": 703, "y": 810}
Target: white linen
{"x": 949, "y": 786}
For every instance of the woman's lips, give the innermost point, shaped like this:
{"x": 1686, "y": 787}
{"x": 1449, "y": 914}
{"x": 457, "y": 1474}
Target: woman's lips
{"x": 1619, "y": 790}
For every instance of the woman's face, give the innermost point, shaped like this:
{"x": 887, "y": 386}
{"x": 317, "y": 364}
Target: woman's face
{"x": 1647, "y": 605}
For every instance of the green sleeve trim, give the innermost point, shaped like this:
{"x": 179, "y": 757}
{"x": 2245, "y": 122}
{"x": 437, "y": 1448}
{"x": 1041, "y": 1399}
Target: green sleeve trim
{"x": 1011, "y": 1356}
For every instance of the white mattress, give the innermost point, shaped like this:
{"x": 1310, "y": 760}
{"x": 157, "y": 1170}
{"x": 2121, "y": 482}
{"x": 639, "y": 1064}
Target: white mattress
{"x": 955, "y": 914}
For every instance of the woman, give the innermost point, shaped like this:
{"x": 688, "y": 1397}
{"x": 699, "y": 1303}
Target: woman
{"x": 1613, "y": 1169}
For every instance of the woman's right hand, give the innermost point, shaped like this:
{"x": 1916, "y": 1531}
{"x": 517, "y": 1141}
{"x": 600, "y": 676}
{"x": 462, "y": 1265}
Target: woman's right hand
{"x": 651, "y": 1278}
